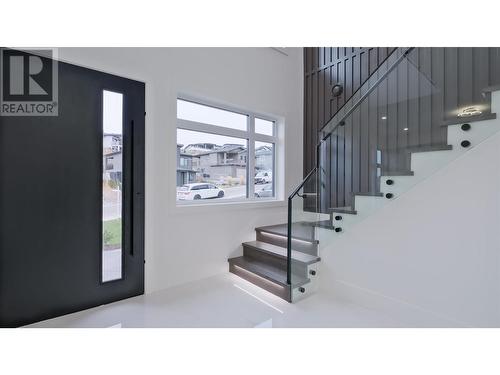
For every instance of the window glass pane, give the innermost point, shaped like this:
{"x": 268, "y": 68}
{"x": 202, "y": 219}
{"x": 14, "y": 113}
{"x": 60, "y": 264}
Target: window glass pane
{"x": 210, "y": 115}
{"x": 264, "y": 127}
{"x": 264, "y": 170}
{"x": 215, "y": 166}
{"x": 112, "y": 148}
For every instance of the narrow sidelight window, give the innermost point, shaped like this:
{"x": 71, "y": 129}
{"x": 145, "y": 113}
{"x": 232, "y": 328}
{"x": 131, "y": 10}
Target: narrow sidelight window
{"x": 112, "y": 185}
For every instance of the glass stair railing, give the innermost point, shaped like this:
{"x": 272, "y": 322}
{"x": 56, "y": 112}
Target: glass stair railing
{"x": 421, "y": 109}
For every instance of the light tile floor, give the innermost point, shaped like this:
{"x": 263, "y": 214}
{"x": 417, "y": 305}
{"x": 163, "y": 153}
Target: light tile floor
{"x": 223, "y": 301}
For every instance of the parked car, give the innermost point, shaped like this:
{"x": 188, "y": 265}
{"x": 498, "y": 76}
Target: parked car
{"x": 266, "y": 191}
{"x": 199, "y": 191}
{"x": 263, "y": 177}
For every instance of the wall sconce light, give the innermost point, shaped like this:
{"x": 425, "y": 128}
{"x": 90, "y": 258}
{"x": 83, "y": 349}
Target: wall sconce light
{"x": 469, "y": 112}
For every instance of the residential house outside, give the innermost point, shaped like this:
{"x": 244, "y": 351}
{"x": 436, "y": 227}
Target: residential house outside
{"x": 227, "y": 162}
{"x": 264, "y": 158}
{"x": 185, "y": 172}
{"x": 112, "y": 157}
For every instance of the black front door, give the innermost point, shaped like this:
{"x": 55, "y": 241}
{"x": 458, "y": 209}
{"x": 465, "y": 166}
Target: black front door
{"x": 72, "y": 199}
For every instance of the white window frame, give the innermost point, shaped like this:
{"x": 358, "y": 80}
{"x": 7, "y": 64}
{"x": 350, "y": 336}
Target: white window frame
{"x": 251, "y": 138}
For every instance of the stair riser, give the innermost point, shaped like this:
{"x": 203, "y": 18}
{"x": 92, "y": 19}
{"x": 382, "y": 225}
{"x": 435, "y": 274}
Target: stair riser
{"x": 273, "y": 239}
{"x": 271, "y": 259}
{"x": 278, "y": 290}
{"x": 298, "y": 268}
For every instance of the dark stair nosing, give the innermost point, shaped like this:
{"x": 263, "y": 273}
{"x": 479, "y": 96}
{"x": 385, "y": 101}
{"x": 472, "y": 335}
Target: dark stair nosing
{"x": 281, "y": 252}
{"x": 271, "y": 273}
{"x": 491, "y": 88}
{"x": 369, "y": 194}
{"x": 343, "y": 210}
{"x": 463, "y": 120}
{"x": 282, "y": 230}
{"x": 429, "y": 148}
{"x": 398, "y": 173}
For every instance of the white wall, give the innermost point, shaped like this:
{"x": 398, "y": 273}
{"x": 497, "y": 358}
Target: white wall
{"x": 432, "y": 256}
{"x": 189, "y": 243}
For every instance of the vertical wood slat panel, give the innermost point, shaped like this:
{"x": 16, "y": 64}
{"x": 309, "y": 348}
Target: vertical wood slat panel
{"x": 382, "y": 123}
{"x": 450, "y": 80}
{"x": 414, "y": 101}
{"x": 494, "y": 54}
{"x": 465, "y": 85}
{"x": 344, "y": 163}
{"x": 392, "y": 121}
{"x": 336, "y": 165}
{"x": 364, "y": 183}
{"x": 355, "y": 154}
{"x": 425, "y": 92}
{"x": 321, "y": 98}
{"x": 402, "y": 114}
{"x": 439, "y": 133}
{"x": 373, "y": 139}
{"x": 481, "y": 72}
{"x": 364, "y": 66}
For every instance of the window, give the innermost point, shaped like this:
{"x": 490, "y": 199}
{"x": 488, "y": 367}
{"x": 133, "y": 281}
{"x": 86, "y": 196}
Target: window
{"x": 232, "y": 154}
{"x": 112, "y": 126}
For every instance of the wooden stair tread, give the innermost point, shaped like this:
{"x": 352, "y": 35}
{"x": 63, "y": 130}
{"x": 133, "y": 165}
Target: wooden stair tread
{"x": 464, "y": 120}
{"x": 368, "y": 194}
{"x": 398, "y": 173}
{"x": 343, "y": 210}
{"x": 429, "y": 148}
{"x": 269, "y": 272}
{"x": 281, "y": 252}
{"x": 299, "y": 231}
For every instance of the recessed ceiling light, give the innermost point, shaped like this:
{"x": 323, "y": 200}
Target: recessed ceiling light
{"x": 469, "y": 112}
{"x": 405, "y": 129}
{"x": 384, "y": 117}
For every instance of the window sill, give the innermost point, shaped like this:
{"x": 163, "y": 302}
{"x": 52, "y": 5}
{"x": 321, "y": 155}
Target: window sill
{"x": 186, "y": 208}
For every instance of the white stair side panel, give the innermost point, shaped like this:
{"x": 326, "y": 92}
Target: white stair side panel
{"x": 311, "y": 287}
{"x": 424, "y": 164}
{"x": 495, "y": 102}
{"x": 366, "y": 205}
{"x": 399, "y": 186}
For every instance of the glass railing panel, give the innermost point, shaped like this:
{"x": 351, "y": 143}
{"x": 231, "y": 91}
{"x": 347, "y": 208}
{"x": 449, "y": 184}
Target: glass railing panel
{"x": 304, "y": 217}
{"x": 370, "y": 83}
{"x": 408, "y": 120}
{"x": 397, "y": 126}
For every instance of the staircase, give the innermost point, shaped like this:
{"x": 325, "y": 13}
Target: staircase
{"x": 285, "y": 258}
{"x": 264, "y": 261}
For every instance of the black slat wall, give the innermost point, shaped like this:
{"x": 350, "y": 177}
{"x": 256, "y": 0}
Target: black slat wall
{"x": 407, "y": 111}
{"x": 323, "y": 68}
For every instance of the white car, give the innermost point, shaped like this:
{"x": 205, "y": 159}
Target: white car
{"x": 265, "y": 177}
{"x": 199, "y": 191}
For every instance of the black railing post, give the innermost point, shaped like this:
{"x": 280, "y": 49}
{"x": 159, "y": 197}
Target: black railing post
{"x": 318, "y": 176}
{"x": 289, "y": 246}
